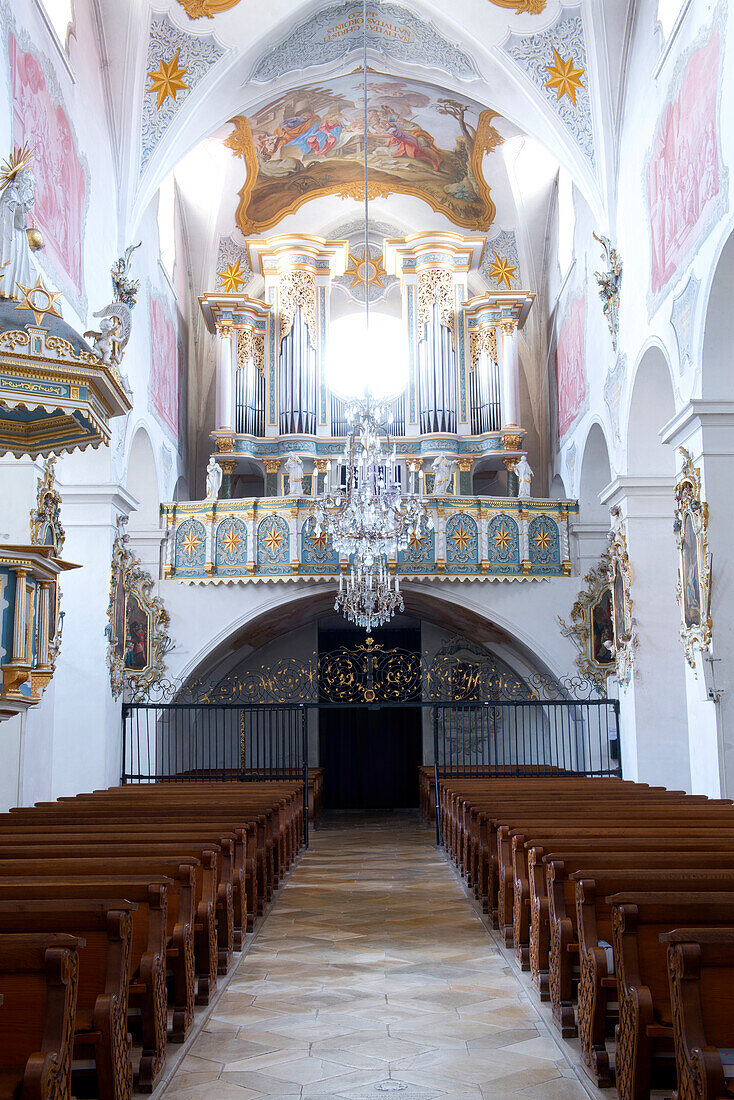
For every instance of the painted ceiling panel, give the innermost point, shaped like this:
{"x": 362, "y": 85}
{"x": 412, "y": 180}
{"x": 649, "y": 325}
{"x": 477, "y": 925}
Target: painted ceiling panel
{"x": 421, "y": 140}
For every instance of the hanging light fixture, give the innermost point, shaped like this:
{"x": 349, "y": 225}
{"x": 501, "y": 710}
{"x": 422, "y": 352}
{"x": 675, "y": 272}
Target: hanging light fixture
{"x": 368, "y": 519}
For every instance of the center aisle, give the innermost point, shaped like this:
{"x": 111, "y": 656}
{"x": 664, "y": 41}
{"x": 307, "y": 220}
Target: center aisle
{"x": 372, "y": 975}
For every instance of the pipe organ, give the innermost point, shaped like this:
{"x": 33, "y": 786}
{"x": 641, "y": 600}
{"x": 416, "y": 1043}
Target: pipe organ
{"x": 462, "y": 398}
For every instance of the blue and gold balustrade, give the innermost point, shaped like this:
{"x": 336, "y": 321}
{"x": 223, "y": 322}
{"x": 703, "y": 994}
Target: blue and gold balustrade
{"x": 56, "y": 394}
{"x": 30, "y": 624}
{"x": 272, "y": 538}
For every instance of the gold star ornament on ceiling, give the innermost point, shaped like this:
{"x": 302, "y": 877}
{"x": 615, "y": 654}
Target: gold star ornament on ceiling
{"x": 372, "y": 271}
{"x": 39, "y": 300}
{"x": 232, "y": 278}
{"x": 502, "y": 271}
{"x": 564, "y": 78}
{"x": 167, "y": 80}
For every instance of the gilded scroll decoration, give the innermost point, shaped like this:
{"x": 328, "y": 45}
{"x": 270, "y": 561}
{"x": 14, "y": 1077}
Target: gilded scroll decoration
{"x": 591, "y": 626}
{"x": 522, "y": 7}
{"x": 693, "y": 587}
{"x": 435, "y": 287}
{"x": 297, "y": 289}
{"x": 482, "y": 339}
{"x": 250, "y": 345}
{"x": 620, "y": 579}
{"x": 136, "y": 626}
{"x": 609, "y": 283}
{"x": 46, "y": 529}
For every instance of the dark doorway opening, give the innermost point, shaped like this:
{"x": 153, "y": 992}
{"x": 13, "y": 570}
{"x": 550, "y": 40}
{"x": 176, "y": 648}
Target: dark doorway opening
{"x": 370, "y": 757}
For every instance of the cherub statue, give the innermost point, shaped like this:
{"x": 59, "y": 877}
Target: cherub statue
{"x": 443, "y": 469}
{"x": 524, "y": 476}
{"x": 294, "y": 468}
{"x": 214, "y": 475}
{"x": 17, "y": 197}
{"x": 106, "y": 342}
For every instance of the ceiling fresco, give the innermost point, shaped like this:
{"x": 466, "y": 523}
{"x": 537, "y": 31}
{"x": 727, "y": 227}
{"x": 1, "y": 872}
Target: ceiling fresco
{"x": 421, "y": 141}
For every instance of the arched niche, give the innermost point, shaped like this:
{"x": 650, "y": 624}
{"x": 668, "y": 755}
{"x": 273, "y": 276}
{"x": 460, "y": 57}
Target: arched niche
{"x": 558, "y": 489}
{"x": 596, "y": 473}
{"x": 716, "y": 363}
{"x": 142, "y": 482}
{"x": 181, "y": 492}
{"x": 651, "y": 407}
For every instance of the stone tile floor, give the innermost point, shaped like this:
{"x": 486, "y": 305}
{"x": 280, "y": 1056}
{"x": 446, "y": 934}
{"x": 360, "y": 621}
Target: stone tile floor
{"x": 374, "y": 974}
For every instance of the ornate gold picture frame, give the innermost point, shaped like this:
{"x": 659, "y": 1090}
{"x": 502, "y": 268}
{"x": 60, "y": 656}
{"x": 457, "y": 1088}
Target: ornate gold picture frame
{"x": 693, "y": 587}
{"x": 591, "y": 628}
{"x": 620, "y": 580}
{"x": 136, "y": 625}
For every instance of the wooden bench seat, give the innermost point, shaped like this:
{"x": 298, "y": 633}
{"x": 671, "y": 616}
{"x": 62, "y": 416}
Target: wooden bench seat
{"x": 645, "y": 1052}
{"x": 39, "y": 976}
{"x": 701, "y": 979}
{"x": 101, "y": 1018}
{"x": 597, "y": 981}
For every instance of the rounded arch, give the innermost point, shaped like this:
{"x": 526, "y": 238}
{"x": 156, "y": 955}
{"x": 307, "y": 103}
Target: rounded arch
{"x": 558, "y": 489}
{"x": 716, "y": 355}
{"x": 142, "y": 481}
{"x": 652, "y": 405}
{"x": 596, "y": 473}
{"x": 181, "y": 491}
{"x": 267, "y": 611}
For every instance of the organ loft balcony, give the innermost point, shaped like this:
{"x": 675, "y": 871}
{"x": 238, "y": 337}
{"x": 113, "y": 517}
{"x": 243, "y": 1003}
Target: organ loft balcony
{"x": 453, "y": 420}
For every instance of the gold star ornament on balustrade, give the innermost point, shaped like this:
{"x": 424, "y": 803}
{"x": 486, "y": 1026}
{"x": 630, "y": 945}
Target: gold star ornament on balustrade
{"x": 416, "y": 542}
{"x": 502, "y": 270}
{"x": 564, "y": 78}
{"x": 319, "y": 542}
{"x": 231, "y": 541}
{"x": 542, "y": 540}
{"x": 272, "y": 540}
{"x": 232, "y": 278}
{"x": 167, "y": 80}
{"x": 190, "y": 543}
{"x": 461, "y": 538}
{"x": 502, "y": 539}
{"x": 39, "y": 300}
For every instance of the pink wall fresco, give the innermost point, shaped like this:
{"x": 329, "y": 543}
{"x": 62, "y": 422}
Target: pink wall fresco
{"x": 683, "y": 178}
{"x": 570, "y": 365}
{"x": 164, "y": 371}
{"x": 60, "y": 180}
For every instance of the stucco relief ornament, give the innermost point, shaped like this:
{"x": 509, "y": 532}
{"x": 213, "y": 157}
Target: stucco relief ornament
{"x": 136, "y": 625}
{"x": 115, "y": 320}
{"x": 17, "y": 238}
{"x": 591, "y": 628}
{"x": 620, "y": 578}
{"x": 610, "y": 282}
{"x": 693, "y": 587}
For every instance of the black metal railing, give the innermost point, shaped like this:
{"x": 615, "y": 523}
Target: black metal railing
{"x": 207, "y": 741}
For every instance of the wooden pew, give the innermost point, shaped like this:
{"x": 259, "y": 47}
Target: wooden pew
{"x": 38, "y": 979}
{"x": 100, "y": 1021}
{"x": 597, "y": 982}
{"x": 532, "y": 896}
{"x": 644, "y": 1034}
{"x": 147, "y": 995}
{"x": 24, "y": 847}
{"x": 701, "y": 978}
{"x": 201, "y": 932}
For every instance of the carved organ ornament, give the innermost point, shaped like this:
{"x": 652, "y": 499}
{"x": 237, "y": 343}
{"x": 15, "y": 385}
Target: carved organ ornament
{"x": 435, "y": 287}
{"x": 482, "y": 339}
{"x": 297, "y": 288}
{"x": 250, "y": 345}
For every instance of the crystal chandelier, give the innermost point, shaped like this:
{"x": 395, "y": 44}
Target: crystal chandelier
{"x": 368, "y": 519}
